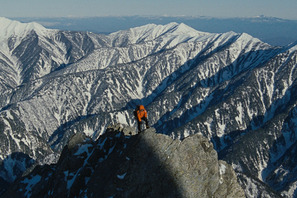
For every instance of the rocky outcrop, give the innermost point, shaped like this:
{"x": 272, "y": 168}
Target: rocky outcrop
{"x": 121, "y": 164}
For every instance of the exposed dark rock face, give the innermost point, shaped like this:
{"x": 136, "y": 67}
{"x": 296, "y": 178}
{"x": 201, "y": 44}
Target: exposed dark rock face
{"x": 141, "y": 165}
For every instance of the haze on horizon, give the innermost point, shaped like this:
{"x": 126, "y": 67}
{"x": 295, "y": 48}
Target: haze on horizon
{"x": 93, "y": 8}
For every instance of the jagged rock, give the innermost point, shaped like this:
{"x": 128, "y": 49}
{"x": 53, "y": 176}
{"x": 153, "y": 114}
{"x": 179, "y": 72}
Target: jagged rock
{"x": 127, "y": 130}
{"x": 143, "y": 165}
{"x": 76, "y": 139}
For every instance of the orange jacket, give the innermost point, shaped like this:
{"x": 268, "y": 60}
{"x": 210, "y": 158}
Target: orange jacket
{"x": 141, "y": 112}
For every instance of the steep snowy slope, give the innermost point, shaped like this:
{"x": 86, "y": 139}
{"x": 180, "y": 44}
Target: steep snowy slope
{"x": 225, "y": 86}
{"x": 252, "y": 125}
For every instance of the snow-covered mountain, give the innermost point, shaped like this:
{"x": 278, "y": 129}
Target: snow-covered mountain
{"x": 275, "y": 31}
{"x": 234, "y": 89}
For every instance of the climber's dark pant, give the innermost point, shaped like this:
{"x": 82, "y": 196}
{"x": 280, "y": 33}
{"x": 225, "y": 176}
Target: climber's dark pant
{"x": 139, "y": 124}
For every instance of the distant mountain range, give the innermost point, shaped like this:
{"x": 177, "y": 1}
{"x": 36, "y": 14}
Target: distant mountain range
{"x": 275, "y": 31}
{"x": 234, "y": 89}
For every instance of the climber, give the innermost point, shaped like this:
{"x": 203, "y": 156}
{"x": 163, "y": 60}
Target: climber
{"x": 141, "y": 114}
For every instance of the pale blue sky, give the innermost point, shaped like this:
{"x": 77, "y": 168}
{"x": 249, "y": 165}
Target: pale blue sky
{"x": 214, "y": 8}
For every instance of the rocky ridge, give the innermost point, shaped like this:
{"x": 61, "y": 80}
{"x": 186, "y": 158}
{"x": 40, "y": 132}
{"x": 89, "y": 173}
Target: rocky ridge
{"x": 124, "y": 164}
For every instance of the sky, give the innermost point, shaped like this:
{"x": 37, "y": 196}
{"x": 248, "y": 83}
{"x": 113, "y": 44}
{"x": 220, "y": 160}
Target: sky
{"x": 286, "y": 9}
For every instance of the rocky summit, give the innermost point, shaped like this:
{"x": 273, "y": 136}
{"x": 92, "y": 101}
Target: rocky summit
{"x": 124, "y": 164}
